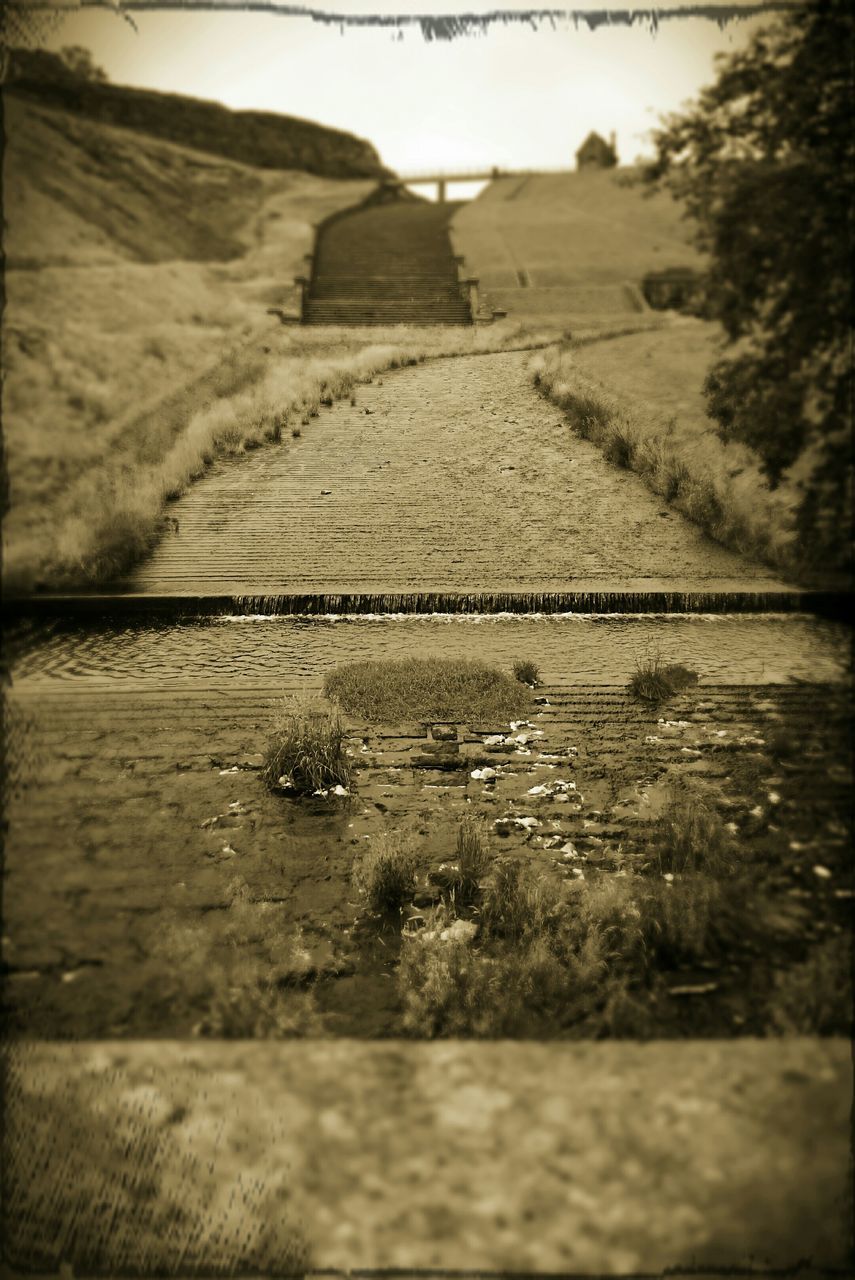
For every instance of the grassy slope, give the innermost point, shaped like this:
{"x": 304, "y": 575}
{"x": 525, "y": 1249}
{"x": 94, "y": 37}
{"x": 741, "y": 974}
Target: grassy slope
{"x": 578, "y": 236}
{"x": 639, "y": 397}
{"x": 137, "y": 344}
{"x": 133, "y": 266}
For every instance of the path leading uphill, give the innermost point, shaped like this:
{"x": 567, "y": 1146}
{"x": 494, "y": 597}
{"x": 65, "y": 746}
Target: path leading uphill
{"x": 451, "y": 476}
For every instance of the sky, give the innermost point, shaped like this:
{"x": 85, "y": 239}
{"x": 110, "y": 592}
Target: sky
{"x": 515, "y": 97}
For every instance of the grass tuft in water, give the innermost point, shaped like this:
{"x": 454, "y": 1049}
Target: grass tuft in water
{"x": 690, "y": 836}
{"x": 527, "y": 672}
{"x": 431, "y": 689}
{"x": 306, "y": 752}
{"x": 656, "y": 681}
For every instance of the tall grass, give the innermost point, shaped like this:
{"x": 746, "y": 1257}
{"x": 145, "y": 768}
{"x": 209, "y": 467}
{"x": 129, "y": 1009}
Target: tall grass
{"x": 690, "y": 836}
{"x": 715, "y": 485}
{"x": 584, "y": 958}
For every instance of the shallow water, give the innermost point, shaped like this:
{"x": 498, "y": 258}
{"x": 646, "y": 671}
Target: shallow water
{"x": 571, "y": 649}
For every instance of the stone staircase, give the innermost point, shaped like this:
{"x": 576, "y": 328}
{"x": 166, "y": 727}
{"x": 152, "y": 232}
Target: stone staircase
{"x": 387, "y": 263}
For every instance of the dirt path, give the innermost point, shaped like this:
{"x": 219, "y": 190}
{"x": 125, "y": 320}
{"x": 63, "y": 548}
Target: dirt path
{"x": 454, "y": 475}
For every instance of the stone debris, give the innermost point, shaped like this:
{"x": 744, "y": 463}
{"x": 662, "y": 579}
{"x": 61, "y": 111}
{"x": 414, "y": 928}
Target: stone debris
{"x": 822, "y": 873}
{"x": 557, "y": 788}
{"x": 484, "y": 775}
{"x": 460, "y": 931}
{"x": 443, "y": 733}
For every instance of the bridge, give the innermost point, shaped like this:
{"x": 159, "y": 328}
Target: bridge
{"x": 443, "y": 179}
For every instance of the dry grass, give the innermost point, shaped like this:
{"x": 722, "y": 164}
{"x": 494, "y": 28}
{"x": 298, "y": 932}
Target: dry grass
{"x": 816, "y": 996}
{"x": 652, "y": 419}
{"x": 584, "y": 958}
{"x": 568, "y": 233}
{"x": 137, "y": 341}
{"x": 431, "y": 689}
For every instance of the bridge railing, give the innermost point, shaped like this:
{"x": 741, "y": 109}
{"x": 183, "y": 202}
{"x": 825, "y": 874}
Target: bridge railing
{"x": 473, "y": 175}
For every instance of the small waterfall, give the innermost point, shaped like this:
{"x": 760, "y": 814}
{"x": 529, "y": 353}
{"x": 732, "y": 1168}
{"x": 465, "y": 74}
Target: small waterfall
{"x": 105, "y": 607}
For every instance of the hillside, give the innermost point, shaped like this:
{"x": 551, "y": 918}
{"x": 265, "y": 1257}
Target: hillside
{"x": 133, "y": 267}
{"x": 567, "y": 245}
{"x": 257, "y": 138}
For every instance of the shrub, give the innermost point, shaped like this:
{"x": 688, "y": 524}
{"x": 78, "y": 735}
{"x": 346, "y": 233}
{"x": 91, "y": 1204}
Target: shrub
{"x": 385, "y": 873}
{"x": 527, "y": 673}
{"x": 692, "y": 837}
{"x": 655, "y": 681}
{"x": 425, "y": 688}
{"x": 306, "y": 753}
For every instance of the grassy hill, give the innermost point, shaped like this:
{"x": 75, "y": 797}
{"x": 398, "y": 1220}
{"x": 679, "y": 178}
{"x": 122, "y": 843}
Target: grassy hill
{"x": 256, "y": 138}
{"x": 134, "y": 267}
{"x": 568, "y": 245}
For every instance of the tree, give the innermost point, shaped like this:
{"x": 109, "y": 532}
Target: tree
{"x": 764, "y": 160}
{"x": 79, "y": 61}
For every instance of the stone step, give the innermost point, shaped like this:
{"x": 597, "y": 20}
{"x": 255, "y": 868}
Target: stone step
{"x": 388, "y": 264}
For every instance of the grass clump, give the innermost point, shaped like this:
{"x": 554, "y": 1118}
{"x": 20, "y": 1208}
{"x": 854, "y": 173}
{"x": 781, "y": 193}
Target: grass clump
{"x": 306, "y": 753}
{"x": 816, "y": 996}
{"x": 472, "y": 856}
{"x": 588, "y": 958}
{"x": 434, "y": 689}
{"x": 527, "y": 673}
{"x": 449, "y": 990}
{"x": 656, "y": 681}
{"x": 691, "y": 837}
{"x": 384, "y": 872}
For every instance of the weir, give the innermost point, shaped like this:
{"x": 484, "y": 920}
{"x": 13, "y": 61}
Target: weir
{"x": 100, "y": 606}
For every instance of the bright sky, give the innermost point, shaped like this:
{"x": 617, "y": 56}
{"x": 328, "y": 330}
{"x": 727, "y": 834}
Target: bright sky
{"x": 512, "y": 97}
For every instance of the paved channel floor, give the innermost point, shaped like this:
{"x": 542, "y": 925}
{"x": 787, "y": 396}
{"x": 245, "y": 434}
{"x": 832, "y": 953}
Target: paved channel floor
{"x": 455, "y": 475}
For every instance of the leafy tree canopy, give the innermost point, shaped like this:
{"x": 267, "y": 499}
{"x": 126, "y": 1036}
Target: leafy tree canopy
{"x": 79, "y": 61}
{"x": 764, "y": 160}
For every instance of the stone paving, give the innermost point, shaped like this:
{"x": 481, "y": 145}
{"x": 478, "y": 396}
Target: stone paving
{"x": 596, "y": 1158}
{"x": 134, "y": 813}
{"x": 451, "y": 476}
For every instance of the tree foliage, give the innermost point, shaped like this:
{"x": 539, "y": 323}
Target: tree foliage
{"x": 764, "y": 160}
{"x": 79, "y": 61}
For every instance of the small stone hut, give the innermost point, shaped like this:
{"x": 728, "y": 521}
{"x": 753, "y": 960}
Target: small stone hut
{"x": 596, "y": 153}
